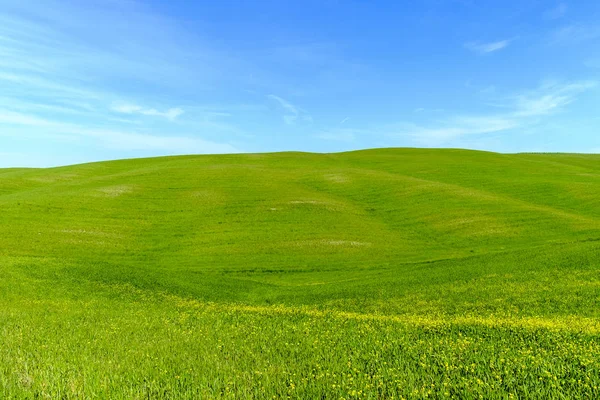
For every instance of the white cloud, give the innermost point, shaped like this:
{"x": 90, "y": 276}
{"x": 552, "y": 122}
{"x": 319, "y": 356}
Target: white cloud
{"x": 63, "y": 66}
{"x": 575, "y": 33}
{"x": 484, "y": 48}
{"x": 290, "y": 119}
{"x": 557, "y": 12}
{"x": 14, "y": 118}
{"x": 293, "y": 113}
{"x": 549, "y": 98}
{"x": 429, "y": 110}
{"x": 114, "y": 138}
{"x": 289, "y": 107}
{"x": 459, "y": 127}
{"x": 126, "y": 108}
{"x": 521, "y": 110}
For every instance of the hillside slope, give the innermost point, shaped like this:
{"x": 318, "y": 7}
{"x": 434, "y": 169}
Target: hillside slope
{"x": 477, "y": 238}
{"x": 267, "y": 222}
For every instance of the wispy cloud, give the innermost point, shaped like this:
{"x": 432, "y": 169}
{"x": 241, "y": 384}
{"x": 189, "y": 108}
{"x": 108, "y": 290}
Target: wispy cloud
{"x": 454, "y": 128}
{"x": 559, "y": 11}
{"x": 293, "y": 113}
{"x": 113, "y": 138}
{"x": 127, "y": 108}
{"x": 420, "y": 110}
{"x": 521, "y": 110}
{"x": 549, "y": 98}
{"x": 65, "y": 66}
{"x": 575, "y": 33}
{"x": 484, "y": 48}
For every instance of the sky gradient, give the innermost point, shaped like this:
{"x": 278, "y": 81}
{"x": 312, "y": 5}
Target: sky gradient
{"x": 94, "y": 80}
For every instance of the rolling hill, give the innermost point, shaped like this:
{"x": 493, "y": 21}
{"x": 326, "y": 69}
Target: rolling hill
{"x": 404, "y": 273}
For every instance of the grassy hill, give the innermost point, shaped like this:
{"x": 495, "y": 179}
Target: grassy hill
{"x": 383, "y": 273}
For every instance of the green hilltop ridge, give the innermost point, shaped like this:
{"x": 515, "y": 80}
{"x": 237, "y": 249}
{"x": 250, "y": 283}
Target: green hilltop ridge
{"x": 179, "y": 277}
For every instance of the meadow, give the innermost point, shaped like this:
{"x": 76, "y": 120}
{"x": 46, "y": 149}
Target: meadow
{"x": 376, "y": 274}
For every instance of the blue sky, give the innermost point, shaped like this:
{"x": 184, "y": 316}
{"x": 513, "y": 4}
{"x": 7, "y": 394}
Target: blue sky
{"x": 93, "y": 80}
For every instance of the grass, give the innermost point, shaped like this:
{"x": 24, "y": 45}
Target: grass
{"x": 391, "y": 273}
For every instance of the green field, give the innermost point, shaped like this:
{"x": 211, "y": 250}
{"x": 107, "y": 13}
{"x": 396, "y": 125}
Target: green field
{"x": 377, "y": 274}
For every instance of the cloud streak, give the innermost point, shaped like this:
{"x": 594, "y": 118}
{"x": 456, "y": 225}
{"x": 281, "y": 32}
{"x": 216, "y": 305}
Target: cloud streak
{"x": 522, "y": 110}
{"x": 113, "y": 138}
{"x": 575, "y": 34}
{"x": 292, "y": 113}
{"x": 549, "y": 98}
{"x": 127, "y": 108}
{"x": 65, "y": 66}
{"x": 485, "y": 48}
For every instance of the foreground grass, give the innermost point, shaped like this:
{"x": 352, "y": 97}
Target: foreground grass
{"x": 379, "y": 274}
{"x": 152, "y": 346}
